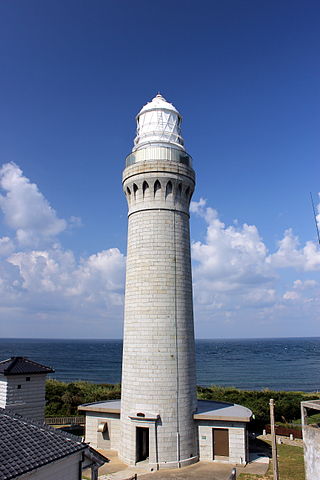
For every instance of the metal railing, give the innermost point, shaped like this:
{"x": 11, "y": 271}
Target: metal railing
{"x": 80, "y": 420}
{"x": 159, "y": 153}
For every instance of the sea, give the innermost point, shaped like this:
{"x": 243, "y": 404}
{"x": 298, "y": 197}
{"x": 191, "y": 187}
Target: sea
{"x": 254, "y": 364}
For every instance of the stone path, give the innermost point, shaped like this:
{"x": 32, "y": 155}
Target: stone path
{"x": 116, "y": 470}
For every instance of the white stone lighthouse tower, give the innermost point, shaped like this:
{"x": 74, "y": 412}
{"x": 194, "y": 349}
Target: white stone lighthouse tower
{"x": 158, "y": 372}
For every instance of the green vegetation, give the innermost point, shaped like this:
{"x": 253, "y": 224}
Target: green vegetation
{"x": 314, "y": 418}
{"x": 291, "y": 466}
{"x": 287, "y": 404}
{"x": 63, "y": 398}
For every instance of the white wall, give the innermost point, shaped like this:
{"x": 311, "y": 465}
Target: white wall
{"x": 65, "y": 469}
{"x": 29, "y": 399}
{"x": 311, "y": 440}
{"x": 97, "y": 439}
{"x": 237, "y": 440}
{"x": 3, "y": 391}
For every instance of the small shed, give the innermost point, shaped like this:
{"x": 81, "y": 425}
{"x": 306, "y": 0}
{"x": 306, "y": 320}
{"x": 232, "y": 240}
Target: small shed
{"x": 222, "y": 431}
{"x": 22, "y": 386}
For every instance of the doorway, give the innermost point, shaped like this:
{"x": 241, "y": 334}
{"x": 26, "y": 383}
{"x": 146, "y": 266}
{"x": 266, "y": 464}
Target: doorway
{"x": 220, "y": 443}
{"x": 142, "y": 443}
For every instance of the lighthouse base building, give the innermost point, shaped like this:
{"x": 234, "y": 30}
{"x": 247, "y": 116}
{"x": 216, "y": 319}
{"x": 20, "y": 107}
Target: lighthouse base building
{"x": 221, "y": 433}
{"x": 159, "y": 421}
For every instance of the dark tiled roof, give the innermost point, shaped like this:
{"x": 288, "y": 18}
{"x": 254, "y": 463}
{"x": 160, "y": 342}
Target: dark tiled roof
{"x": 26, "y": 445}
{"x": 21, "y": 366}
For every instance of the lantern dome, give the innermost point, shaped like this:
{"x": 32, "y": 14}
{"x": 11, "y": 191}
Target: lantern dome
{"x": 158, "y": 123}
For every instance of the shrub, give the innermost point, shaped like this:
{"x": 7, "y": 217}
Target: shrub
{"x": 63, "y": 399}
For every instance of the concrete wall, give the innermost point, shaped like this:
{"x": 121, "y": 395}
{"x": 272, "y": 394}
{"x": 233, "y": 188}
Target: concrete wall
{"x": 237, "y": 440}
{"x": 65, "y": 469}
{"x": 3, "y": 391}
{"x": 107, "y": 440}
{"x": 158, "y": 370}
{"x": 311, "y": 440}
{"x": 26, "y": 397}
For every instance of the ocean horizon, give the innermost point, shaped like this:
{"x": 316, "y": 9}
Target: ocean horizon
{"x": 291, "y": 363}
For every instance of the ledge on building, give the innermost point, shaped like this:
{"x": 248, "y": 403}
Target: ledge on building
{"x": 206, "y": 410}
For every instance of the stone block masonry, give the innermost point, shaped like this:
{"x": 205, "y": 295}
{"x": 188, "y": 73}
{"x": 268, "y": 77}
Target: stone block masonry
{"x": 158, "y": 382}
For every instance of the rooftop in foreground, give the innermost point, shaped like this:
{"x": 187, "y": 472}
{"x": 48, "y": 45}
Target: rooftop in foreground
{"x": 27, "y": 445}
{"x": 207, "y": 410}
{"x": 22, "y": 366}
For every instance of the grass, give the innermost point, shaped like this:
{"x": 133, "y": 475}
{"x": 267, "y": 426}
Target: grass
{"x": 291, "y": 465}
{"x": 314, "y": 418}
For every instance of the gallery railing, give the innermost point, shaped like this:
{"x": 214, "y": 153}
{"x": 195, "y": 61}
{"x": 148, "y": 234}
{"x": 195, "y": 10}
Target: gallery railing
{"x": 155, "y": 153}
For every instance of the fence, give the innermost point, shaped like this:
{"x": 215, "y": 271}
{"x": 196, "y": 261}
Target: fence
{"x": 65, "y": 420}
{"x": 285, "y": 431}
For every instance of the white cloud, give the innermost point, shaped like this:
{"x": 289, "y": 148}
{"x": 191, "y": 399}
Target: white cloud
{"x": 26, "y": 210}
{"x": 290, "y": 255}
{"x": 50, "y": 284}
{"x": 98, "y": 279}
{"x": 231, "y": 258}
{"x": 236, "y": 277}
{"x": 304, "y": 284}
{"x": 305, "y": 297}
{"x": 6, "y": 246}
{"x": 50, "y": 287}
{"x": 291, "y": 295}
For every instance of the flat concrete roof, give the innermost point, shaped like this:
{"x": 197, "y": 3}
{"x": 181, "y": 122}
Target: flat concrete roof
{"x": 314, "y": 404}
{"x": 107, "y": 406}
{"x": 232, "y": 412}
{"x": 207, "y": 410}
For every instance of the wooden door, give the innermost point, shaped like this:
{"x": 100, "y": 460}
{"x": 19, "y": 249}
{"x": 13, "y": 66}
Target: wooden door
{"x": 220, "y": 442}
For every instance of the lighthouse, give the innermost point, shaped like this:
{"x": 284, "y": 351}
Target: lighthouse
{"x": 158, "y": 397}
{"x": 158, "y": 423}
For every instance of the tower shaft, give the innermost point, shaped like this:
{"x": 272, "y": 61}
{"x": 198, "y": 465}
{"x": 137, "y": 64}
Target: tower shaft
{"x": 158, "y": 371}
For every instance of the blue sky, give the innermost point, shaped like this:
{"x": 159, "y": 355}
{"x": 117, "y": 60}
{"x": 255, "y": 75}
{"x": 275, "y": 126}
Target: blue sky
{"x": 245, "y": 77}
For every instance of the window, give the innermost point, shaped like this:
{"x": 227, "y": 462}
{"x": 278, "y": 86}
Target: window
{"x": 145, "y": 188}
{"x": 157, "y": 188}
{"x": 169, "y": 190}
{"x": 28, "y": 379}
{"x": 18, "y": 387}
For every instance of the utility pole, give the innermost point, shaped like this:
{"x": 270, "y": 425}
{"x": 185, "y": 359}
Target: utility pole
{"x": 274, "y": 442}
{"x": 315, "y": 218}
